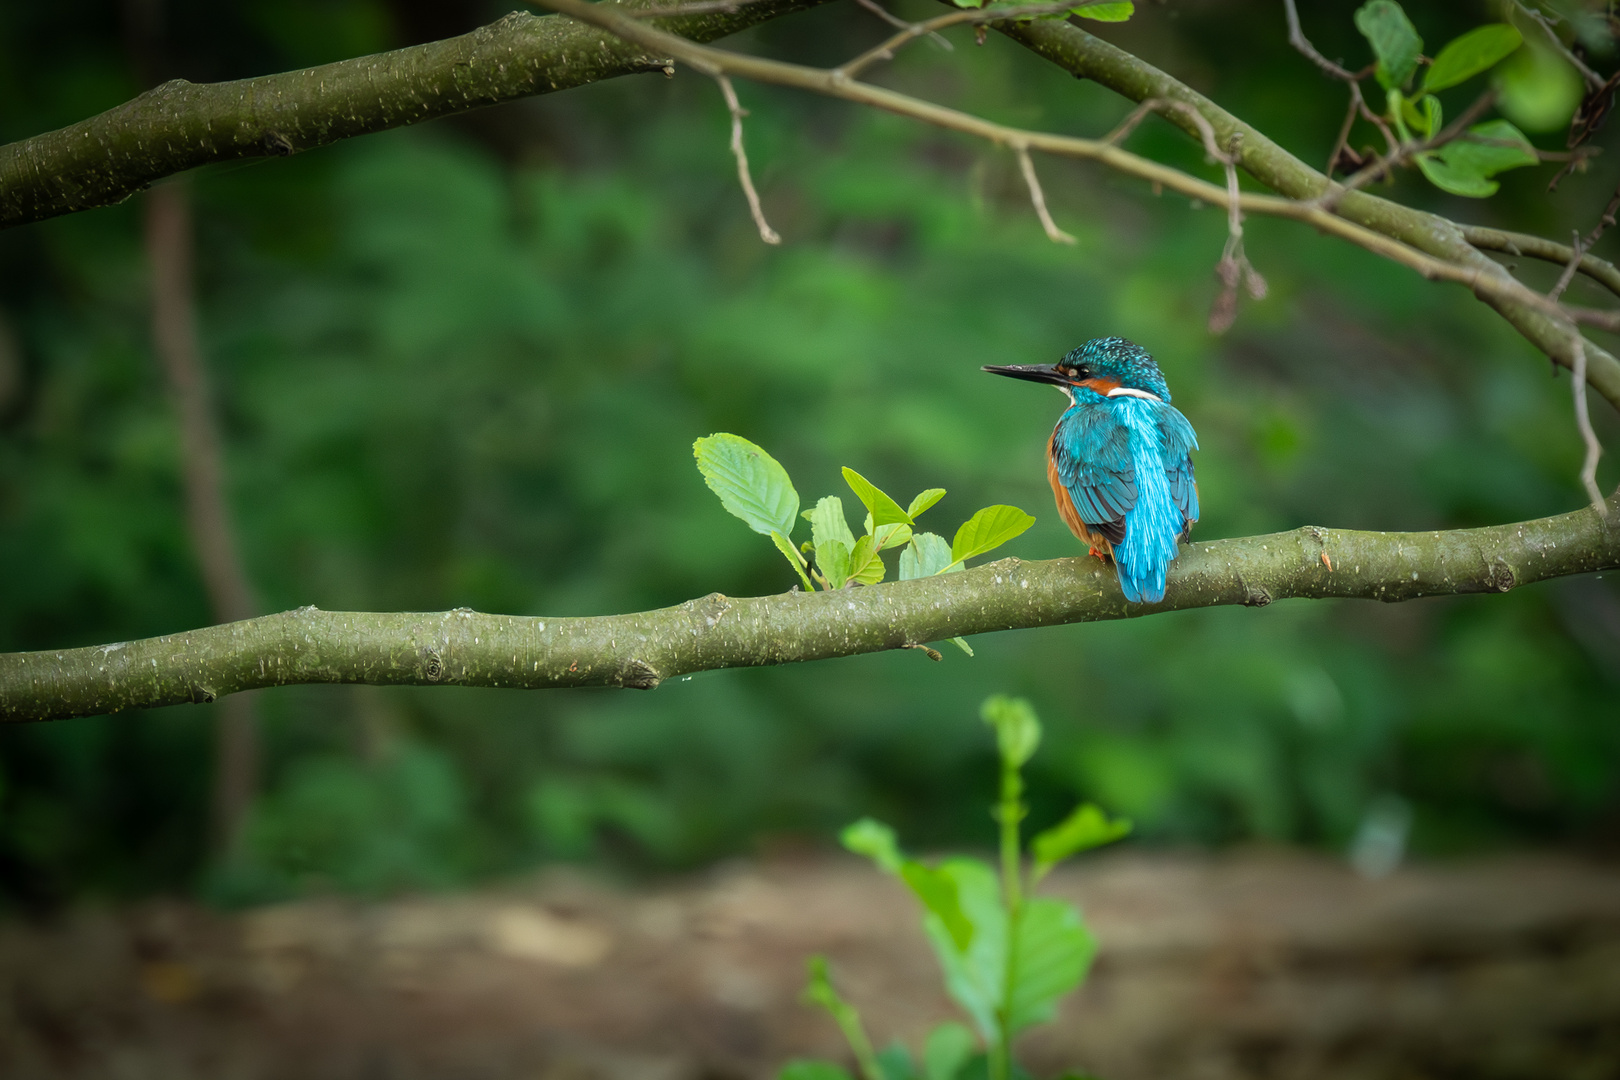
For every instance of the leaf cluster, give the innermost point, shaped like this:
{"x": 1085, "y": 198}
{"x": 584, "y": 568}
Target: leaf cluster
{"x": 1006, "y": 958}
{"x": 1465, "y": 164}
{"x": 753, "y": 486}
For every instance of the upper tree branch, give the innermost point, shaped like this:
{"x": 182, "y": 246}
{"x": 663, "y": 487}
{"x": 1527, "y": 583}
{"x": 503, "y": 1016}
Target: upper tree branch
{"x": 470, "y": 649}
{"x": 182, "y": 125}
{"x": 1549, "y": 330}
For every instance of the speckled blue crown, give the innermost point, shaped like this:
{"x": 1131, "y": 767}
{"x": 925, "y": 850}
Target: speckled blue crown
{"x": 1126, "y": 361}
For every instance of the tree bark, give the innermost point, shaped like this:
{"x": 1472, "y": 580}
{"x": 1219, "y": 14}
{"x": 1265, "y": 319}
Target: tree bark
{"x": 182, "y": 125}
{"x": 466, "y": 648}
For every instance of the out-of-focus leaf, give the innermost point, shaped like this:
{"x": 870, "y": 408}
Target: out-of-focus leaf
{"x": 1088, "y": 827}
{"x": 865, "y": 564}
{"x": 875, "y": 840}
{"x": 1050, "y": 954}
{"x": 1395, "y": 41}
{"x": 894, "y": 1063}
{"x": 884, "y": 510}
{"x": 1538, "y": 89}
{"x": 1423, "y": 114}
{"x": 1018, "y": 731}
{"x": 832, "y": 559}
{"x": 988, "y": 530}
{"x": 961, "y": 643}
{"x": 1115, "y": 12}
{"x": 891, "y": 536}
{"x": 974, "y": 976}
{"x": 806, "y": 1069}
{"x": 938, "y": 893}
{"x": 750, "y": 483}
{"x": 946, "y": 1050}
{"x": 923, "y": 501}
{"x": 1466, "y": 56}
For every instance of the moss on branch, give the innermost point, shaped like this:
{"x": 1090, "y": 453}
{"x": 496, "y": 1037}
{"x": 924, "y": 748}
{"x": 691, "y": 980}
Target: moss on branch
{"x": 182, "y": 125}
{"x": 466, "y": 648}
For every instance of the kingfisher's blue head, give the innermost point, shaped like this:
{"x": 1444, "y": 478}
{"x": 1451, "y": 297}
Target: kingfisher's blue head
{"x": 1110, "y": 366}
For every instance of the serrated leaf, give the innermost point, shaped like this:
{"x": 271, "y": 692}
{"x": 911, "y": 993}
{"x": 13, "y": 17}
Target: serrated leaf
{"x": 884, "y": 510}
{"x": 1018, "y": 731}
{"x": 1466, "y": 56}
{"x": 923, "y": 501}
{"x": 975, "y": 976}
{"x": 750, "y": 483}
{"x": 785, "y": 546}
{"x": 926, "y": 556}
{"x": 865, "y": 564}
{"x": 1117, "y": 12}
{"x": 832, "y": 559}
{"x": 1050, "y": 954}
{"x": 875, "y": 840}
{"x": 1394, "y": 40}
{"x": 988, "y": 530}
{"x": 807, "y": 1069}
{"x": 945, "y": 1051}
{"x": 827, "y": 522}
{"x": 1086, "y": 828}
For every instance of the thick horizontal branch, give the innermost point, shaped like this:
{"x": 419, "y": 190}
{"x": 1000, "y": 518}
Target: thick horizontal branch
{"x": 466, "y": 648}
{"x": 1087, "y": 56}
{"x": 1602, "y": 271}
{"x": 182, "y": 125}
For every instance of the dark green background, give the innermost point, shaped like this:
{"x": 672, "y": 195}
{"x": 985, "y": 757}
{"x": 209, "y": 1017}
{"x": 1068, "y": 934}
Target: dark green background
{"x": 464, "y": 365}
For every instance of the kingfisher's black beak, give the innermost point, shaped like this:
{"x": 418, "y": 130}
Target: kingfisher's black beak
{"x": 1043, "y": 373}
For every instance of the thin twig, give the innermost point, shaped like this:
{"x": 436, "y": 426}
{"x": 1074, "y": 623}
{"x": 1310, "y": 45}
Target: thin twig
{"x": 1027, "y": 167}
{"x": 1593, "y": 80}
{"x": 1296, "y": 38}
{"x": 1356, "y": 105}
{"x": 900, "y": 24}
{"x": 1583, "y": 421}
{"x": 699, "y": 7}
{"x": 911, "y": 31}
{"x": 1535, "y": 247}
{"x": 1574, "y": 264}
{"x": 1453, "y": 131}
{"x": 766, "y": 233}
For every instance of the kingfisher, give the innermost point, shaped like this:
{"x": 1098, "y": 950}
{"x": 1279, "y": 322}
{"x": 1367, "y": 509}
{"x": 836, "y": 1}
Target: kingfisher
{"x": 1119, "y": 460}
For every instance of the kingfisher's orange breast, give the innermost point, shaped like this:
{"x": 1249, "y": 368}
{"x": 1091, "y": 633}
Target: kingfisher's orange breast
{"x": 1098, "y": 543}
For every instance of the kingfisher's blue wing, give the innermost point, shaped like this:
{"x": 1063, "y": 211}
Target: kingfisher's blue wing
{"x": 1092, "y": 452}
{"x": 1178, "y": 442}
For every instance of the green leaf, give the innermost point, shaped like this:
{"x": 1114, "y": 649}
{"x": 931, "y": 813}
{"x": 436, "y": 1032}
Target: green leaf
{"x": 961, "y": 643}
{"x": 1538, "y": 89}
{"x": 785, "y": 546}
{"x": 832, "y": 559}
{"x": 1088, "y": 827}
{"x": 1464, "y": 57}
{"x": 875, "y": 840}
{"x": 806, "y": 1069}
{"x": 1118, "y": 12}
{"x": 975, "y": 976}
{"x": 750, "y": 483}
{"x": 894, "y": 1063}
{"x": 946, "y": 1050}
{"x": 988, "y": 530}
{"x": 891, "y": 536}
{"x": 1018, "y": 731}
{"x": 926, "y": 556}
{"x": 969, "y": 3}
{"x": 937, "y": 891}
{"x": 884, "y": 510}
{"x": 865, "y": 564}
{"x": 1395, "y": 41}
{"x": 1424, "y": 114}
{"x": 923, "y": 501}
{"x": 827, "y": 522}
{"x": 1463, "y": 166}
{"x": 1051, "y": 951}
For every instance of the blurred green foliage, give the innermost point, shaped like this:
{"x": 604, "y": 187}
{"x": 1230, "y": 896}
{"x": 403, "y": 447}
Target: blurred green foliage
{"x": 463, "y": 365}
